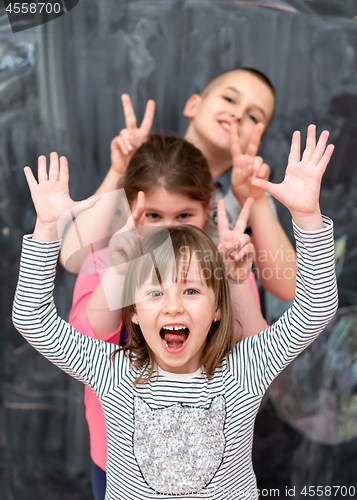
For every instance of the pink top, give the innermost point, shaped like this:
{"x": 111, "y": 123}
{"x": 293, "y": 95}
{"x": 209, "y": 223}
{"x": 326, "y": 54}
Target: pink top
{"x": 93, "y": 268}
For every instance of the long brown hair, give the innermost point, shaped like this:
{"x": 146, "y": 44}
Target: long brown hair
{"x": 172, "y": 163}
{"x": 169, "y": 245}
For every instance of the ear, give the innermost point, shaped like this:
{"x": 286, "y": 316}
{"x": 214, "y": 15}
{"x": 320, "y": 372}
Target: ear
{"x": 134, "y": 317}
{"x": 217, "y": 314}
{"x": 191, "y": 106}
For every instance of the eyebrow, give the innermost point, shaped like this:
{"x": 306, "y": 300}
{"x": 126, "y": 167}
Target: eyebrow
{"x": 255, "y": 105}
{"x": 154, "y": 210}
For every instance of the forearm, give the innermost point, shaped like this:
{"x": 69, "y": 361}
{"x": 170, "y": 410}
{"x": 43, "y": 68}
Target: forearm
{"x": 92, "y": 227}
{"x": 35, "y": 315}
{"x": 103, "y": 309}
{"x": 275, "y": 256}
{"x": 314, "y": 305}
{"x": 246, "y": 309}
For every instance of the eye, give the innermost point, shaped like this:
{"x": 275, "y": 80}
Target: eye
{"x": 184, "y": 216}
{"x": 154, "y": 293}
{"x": 252, "y": 117}
{"x": 191, "y": 291}
{"x": 228, "y": 99}
{"x": 153, "y": 216}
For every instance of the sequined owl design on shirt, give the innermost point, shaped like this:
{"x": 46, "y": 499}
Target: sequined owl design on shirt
{"x": 179, "y": 448}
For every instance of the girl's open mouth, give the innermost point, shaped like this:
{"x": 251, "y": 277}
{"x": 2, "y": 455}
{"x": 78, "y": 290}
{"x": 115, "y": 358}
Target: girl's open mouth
{"x": 174, "y": 337}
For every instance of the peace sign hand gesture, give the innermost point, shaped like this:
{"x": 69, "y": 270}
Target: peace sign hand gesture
{"x": 248, "y": 166}
{"x": 235, "y": 246}
{"x": 130, "y": 138}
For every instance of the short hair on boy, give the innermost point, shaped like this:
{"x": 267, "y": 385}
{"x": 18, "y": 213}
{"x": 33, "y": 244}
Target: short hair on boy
{"x": 172, "y": 163}
{"x": 186, "y": 241}
{"x": 212, "y": 83}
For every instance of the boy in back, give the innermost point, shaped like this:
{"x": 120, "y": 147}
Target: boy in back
{"x": 226, "y": 123}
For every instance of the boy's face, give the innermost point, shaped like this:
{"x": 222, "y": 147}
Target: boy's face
{"x": 237, "y": 96}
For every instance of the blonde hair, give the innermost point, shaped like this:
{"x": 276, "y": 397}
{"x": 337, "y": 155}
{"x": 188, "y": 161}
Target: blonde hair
{"x": 185, "y": 241}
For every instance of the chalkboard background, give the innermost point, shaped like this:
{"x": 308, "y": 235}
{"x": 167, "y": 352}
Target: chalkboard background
{"x": 60, "y": 87}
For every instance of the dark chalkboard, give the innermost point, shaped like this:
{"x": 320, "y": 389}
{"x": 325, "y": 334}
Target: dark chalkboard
{"x": 60, "y": 87}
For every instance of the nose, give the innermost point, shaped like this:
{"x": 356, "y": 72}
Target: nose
{"x": 238, "y": 113}
{"x": 173, "y": 303}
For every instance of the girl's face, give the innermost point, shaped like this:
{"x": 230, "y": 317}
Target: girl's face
{"x": 164, "y": 208}
{"x": 175, "y": 320}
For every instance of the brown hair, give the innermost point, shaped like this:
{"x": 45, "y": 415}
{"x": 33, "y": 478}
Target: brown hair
{"x": 175, "y": 243}
{"x": 172, "y": 163}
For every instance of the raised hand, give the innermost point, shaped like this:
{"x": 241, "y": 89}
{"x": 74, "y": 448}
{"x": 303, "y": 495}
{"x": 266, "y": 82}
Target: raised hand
{"x": 123, "y": 241}
{"x": 235, "y": 247}
{"x": 247, "y": 166}
{"x": 300, "y": 189}
{"x": 50, "y": 195}
{"x": 130, "y": 138}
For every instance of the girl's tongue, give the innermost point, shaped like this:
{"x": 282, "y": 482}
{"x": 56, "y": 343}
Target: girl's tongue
{"x": 174, "y": 339}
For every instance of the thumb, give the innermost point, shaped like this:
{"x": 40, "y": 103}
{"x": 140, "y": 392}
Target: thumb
{"x": 267, "y": 186}
{"x": 76, "y": 210}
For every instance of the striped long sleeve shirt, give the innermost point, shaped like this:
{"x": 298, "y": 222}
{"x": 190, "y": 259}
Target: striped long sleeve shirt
{"x": 179, "y": 435}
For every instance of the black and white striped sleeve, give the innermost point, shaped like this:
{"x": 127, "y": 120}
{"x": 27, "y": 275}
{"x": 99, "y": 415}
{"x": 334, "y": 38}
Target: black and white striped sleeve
{"x": 35, "y": 317}
{"x": 257, "y": 360}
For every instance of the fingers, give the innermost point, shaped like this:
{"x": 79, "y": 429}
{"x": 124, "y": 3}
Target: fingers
{"x": 257, "y": 163}
{"x": 63, "y": 170}
{"x": 320, "y": 148}
{"x": 53, "y": 171}
{"x": 243, "y": 218}
{"x": 84, "y": 205}
{"x": 237, "y": 249}
{"x": 130, "y": 118}
{"x": 31, "y": 181}
{"x": 264, "y": 172}
{"x": 140, "y": 208}
{"x": 146, "y": 124}
{"x": 124, "y": 146}
{"x": 222, "y": 221}
{"x": 294, "y": 156}
{"x": 310, "y": 142}
{"x": 123, "y": 242}
{"x": 267, "y": 186}
{"x": 254, "y": 143}
{"x": 326, "y": 158}
{"x": 126, "y": 141}
{"x": 42, "y": 170}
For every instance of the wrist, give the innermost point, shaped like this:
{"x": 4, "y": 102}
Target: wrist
{"x": 308, "y": 222}
{"x": 259, "y": 203}
{"x": 242, "y": 280}
{"x": 46, "y": 231}
{"x": 114, "y": 174}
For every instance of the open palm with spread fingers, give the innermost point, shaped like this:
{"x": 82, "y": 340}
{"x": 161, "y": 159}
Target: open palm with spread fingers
{"x": 235, "y": 246}
{"x": 300, "y": 189}
{"x": 50, "y": 195}
{"x": 247, "y": 166}
{"x": 131, "y": 137}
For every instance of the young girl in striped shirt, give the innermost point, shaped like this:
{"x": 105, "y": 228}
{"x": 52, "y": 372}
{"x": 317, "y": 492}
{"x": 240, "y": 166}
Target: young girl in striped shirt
{"x": 180, "y": 399}
{"x": 167, "y": 182}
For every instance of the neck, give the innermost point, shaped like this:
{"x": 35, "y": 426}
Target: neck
{"x": 218, "y": 160}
